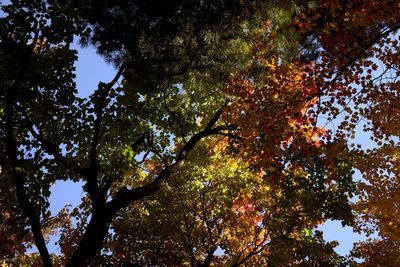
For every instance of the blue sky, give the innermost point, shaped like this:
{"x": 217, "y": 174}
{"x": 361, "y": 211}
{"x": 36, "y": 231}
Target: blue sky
{"x": 90, "y": 70}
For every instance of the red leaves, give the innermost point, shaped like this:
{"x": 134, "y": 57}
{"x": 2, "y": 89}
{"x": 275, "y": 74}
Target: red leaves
{"x": 271, "y": 111}
{"x": 357, "y": 72}
{"x": 267, "y": 23}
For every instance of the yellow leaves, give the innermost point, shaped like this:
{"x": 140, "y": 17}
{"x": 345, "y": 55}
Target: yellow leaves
{"x": 218, "y": 145}
{"x": 144, "y": 211}
{"x": 380, "y": 201}
{"x": 40, "y": 45}
{"x": 270, "y": 66}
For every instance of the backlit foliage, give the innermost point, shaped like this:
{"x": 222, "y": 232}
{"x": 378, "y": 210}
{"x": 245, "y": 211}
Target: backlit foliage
{"x": 228, "y": 135}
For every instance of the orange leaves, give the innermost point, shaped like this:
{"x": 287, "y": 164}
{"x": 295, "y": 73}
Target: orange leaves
{"x": 375, "y": 252}
{"x": 357, "y": 72}
{"x": 267, "y": 23}
{"x": 271, "y": 110}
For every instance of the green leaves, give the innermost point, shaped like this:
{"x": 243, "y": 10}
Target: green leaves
{"x": 178, "y": 173}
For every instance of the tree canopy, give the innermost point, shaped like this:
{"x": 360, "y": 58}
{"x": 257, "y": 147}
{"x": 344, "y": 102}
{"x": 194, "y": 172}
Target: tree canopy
{"x": 226, "y": 137}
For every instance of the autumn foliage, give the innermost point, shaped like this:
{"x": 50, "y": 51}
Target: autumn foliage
{"x": 219, "y": 142}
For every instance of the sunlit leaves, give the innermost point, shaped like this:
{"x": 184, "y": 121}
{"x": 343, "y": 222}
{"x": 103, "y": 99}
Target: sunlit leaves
{"x": 356, "y": 71}
{"x": 252, "y": 193}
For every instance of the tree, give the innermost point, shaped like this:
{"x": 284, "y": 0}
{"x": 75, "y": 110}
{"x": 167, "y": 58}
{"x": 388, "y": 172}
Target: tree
{"x": 39, "y": 96}
{"x": 206, "y": 140}
{"x": 38, "y": 76}
{"x": 257, "y": 208}
{"x": 357, "y": 69}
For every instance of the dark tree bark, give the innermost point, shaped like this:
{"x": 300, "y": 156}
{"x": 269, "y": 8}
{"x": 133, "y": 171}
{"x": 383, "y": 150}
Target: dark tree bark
{"x": 18, "y": 174}
{"x": 92, "y": 240}
{"x": 103, "y": 213}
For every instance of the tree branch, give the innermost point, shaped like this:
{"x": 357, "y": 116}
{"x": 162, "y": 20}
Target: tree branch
{"x": 91, "y": 175}
{"x": 210, "y": 256}
{"x": 12, "y": 153}
{"x": 175, "y": 119}
{"x": 104, "y": 92}
{"x": 257, "y": 248}
{"x": 139, "y": 141}
{"x": 47, "y": 146}
{"x": 126, "y": 196}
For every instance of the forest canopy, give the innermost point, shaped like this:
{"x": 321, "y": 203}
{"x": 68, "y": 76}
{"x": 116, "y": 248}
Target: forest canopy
{"x": 227, "y": 136}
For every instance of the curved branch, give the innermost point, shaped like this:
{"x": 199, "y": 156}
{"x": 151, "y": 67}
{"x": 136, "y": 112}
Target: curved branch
{"x": 126, "y": 196}
{"x": 92, "y": 170}
{"x": 12, "y": 153}
{"x": 47, "y": 146}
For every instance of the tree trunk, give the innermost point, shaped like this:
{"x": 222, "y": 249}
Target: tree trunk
{"x": 92, "y": 240}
